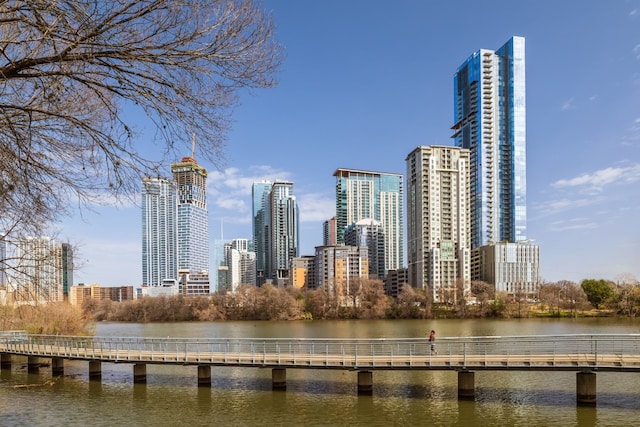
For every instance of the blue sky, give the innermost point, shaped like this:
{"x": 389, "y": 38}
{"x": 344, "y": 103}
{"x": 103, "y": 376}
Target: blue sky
{"x": 366, "y": 81}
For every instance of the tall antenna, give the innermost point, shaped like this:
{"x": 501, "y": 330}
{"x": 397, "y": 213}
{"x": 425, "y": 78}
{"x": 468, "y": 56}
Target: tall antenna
{"x": 193, "y": 145}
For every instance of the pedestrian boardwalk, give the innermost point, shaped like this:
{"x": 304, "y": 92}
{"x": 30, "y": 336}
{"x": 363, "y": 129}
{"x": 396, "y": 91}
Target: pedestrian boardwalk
{"x": 559, "y": 352}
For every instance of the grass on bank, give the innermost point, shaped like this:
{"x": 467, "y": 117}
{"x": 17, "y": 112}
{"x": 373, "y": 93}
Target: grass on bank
{"x": 49, "y": 319}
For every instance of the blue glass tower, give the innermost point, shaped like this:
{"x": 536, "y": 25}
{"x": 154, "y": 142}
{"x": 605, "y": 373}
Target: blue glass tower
{"x": 490, "y": 121}
{"x": 159, "y": 232}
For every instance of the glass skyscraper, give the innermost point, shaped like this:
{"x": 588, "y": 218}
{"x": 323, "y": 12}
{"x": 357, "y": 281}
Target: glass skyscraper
{"x": 275, "y": 230}
{"x": 283, "y": 234}
{"x": 159, "y": 232}
{"x": 44, "y": 270}
{"x": 372, "y": 195}
{"x": 490, "y": 121}
{"x": 193, "y": 221}
{"x": 260, "y": 204}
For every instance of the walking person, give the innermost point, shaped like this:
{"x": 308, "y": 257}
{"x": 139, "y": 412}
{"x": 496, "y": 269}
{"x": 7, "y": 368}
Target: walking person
{"x": 432, "y": 342}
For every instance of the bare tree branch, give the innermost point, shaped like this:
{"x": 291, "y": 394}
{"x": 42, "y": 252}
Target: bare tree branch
{"x": 69, "y": 68}
{"x": 75, "y": 75}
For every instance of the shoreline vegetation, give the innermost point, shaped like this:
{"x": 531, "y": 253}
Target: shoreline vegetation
{"x": 366, "y": 300}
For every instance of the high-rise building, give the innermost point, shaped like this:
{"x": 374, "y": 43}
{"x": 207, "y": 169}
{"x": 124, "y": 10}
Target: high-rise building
{"x": 275, "y": 230}
{"x": 372, "y": 195}
{"x": 329, "y": 234}
{"x": 260, "y": 204}
{"x": 490, "y": 121}
{"x": 283, "y": 237}
{"x": 239, "y": 265}
{"x": 218, "y": 260}
{"x": 66, "y": 253}
{"x": 369, "y": 233}
{"x": 43, "y": 266}
{"x": 193, "y": 221}
{"x": 438, "y": 221}
{"x": 3, "y": 262}
{"x": 159, "y": 232}
{"x": 337, "y": 267}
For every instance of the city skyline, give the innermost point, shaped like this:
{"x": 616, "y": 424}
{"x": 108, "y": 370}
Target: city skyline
{"x": 353, "y": 95}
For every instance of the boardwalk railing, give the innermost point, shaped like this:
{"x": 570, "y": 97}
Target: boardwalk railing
{"x": 557, "y": 352}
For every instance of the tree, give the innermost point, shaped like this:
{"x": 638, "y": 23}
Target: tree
{"x": 413, "y": 303}
{"x": 573, "y": 297}
{"x": 76, "y": 75}
{"x": 597, "y": 291}
{"x": 483, "y": 292}
{"x": 627, "y": 294}
{"x": 371, "y": 301}
{"x": 549, "y": 297}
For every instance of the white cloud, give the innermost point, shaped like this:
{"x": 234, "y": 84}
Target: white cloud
{"x": 229, "y": 192}
{"x": 230, "y": 203}
{"x": 573, "y": 224}
{"x": 230, "y": 189}
{"x": 594, "y": 182}
{"x": 636, "y": 51}
{"x": 316, "y": 207}
{"x": 568, "y": 105}
{"x": 552, "y": 207}
{"x": 633, "y": 12}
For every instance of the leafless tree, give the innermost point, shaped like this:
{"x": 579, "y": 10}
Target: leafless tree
{"x": 627, "y": 294}
{"x": 77, "y": 76}
{"x": 563, "y": 295}
{"x": 413, "y": 303}
{"x": 369, "y": 299}
{"x": 549, "y": 297}
{"x": 483, "y": 292}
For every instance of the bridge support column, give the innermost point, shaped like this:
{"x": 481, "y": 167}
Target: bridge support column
{"x": 33, "y": 364}
{"x": 57, "y": 366}
{"x": 278, "y": 378}
{"x": 95, "y": 370}
{"x": 365, "y": 382}
{"x": 586, "y": 388}
{"x": 204, "y": 376}
{"x": 139, "y": 373}
{"x": 466, "y": 385}
{"x": 5, "y": 361}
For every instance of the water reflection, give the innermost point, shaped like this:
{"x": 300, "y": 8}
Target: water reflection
{"x": 244, "y": 397}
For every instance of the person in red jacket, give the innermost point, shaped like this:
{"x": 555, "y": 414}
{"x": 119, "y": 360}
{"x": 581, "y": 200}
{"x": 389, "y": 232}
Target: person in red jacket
{"x": 432, "y": 341}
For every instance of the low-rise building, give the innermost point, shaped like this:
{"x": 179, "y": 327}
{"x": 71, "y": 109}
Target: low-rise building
{"x": 81, "y": 293}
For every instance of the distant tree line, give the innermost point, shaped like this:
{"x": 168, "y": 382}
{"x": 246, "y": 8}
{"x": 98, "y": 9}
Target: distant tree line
{"x": 366, "y": 300}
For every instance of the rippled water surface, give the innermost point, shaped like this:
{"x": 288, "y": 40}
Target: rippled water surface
{"x": 243, "y": 396}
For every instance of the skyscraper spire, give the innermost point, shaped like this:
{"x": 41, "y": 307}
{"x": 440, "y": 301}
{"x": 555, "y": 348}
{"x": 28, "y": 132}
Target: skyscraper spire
{"x": 193, "y": 145}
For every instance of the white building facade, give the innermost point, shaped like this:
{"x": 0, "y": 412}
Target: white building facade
{"x": 513, "y": 268}
{"x": 159, "y": 233}
{"x": 438, "y": 221}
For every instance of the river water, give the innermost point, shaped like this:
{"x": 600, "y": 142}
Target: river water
{"x": 243, "y": 396}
